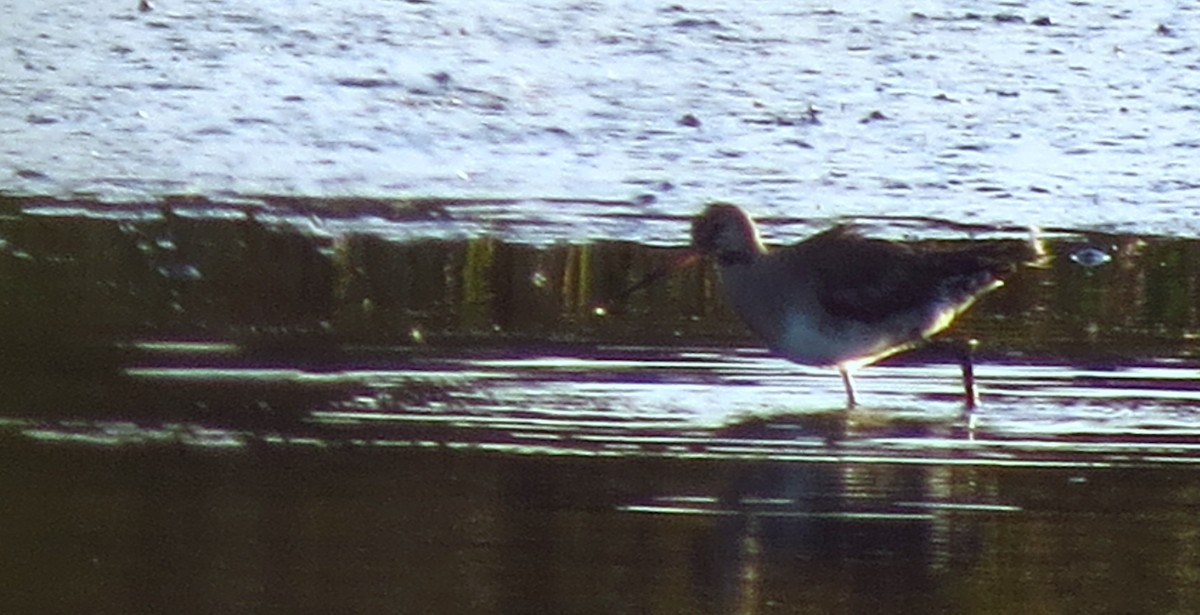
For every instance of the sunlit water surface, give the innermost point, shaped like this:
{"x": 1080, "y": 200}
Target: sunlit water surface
{"x": 1030, "y": 112}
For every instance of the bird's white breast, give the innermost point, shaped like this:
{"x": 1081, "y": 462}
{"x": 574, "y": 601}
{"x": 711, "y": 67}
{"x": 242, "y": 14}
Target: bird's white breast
{"x": 786, "y": 314}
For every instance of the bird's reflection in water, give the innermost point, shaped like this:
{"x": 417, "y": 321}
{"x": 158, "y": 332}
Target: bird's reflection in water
{"x": 834, "y": 536}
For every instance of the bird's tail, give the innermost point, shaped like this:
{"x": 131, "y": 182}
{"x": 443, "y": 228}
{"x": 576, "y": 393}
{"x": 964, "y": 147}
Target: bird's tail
{"x": 1004, "y": 257}
{"x": 1036, "y": 253}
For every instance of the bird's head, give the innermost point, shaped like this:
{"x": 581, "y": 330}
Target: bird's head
{"x": 726, "y": 233}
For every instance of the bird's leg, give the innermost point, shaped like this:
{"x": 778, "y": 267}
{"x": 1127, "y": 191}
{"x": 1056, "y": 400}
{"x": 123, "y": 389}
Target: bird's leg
{"x": 848, "y": 381}
{"x": 967, "y": 361}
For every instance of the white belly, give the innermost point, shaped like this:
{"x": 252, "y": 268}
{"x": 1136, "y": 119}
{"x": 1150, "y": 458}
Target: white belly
{"x": 806, "y": 339}
{"x": 792, "y": 323}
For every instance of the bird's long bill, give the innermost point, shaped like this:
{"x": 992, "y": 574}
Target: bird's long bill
{"x": 686, "y": 259}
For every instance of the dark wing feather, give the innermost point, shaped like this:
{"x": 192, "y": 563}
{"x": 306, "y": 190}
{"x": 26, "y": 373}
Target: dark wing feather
{"x": 872, "y": 279}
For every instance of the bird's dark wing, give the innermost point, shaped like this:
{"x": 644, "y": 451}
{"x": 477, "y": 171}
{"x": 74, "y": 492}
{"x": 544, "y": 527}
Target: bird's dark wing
{"x": 872, "y": 279}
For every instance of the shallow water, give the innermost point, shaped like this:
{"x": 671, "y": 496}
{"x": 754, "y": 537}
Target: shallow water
{"x": 266, "y": 408}
{"x": 286, "y": 529}
{"x": 298, "y": 308}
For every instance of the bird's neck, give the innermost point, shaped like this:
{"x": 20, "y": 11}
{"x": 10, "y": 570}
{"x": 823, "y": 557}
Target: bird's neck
{"x": 745, "y": 255}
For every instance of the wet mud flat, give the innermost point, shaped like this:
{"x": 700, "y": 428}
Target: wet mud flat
{"x": 273, "y": 405}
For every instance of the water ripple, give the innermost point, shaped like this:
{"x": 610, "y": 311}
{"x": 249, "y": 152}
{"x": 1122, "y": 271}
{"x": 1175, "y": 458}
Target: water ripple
{"x": 693, "y": 403}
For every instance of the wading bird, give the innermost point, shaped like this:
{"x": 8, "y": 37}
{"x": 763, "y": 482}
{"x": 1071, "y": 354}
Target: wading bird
{"x": 845, "y": 300}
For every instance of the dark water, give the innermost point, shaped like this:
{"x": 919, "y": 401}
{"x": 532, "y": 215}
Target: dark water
{"x": 214, "y": 408}
{"x": 293, "y": 529}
